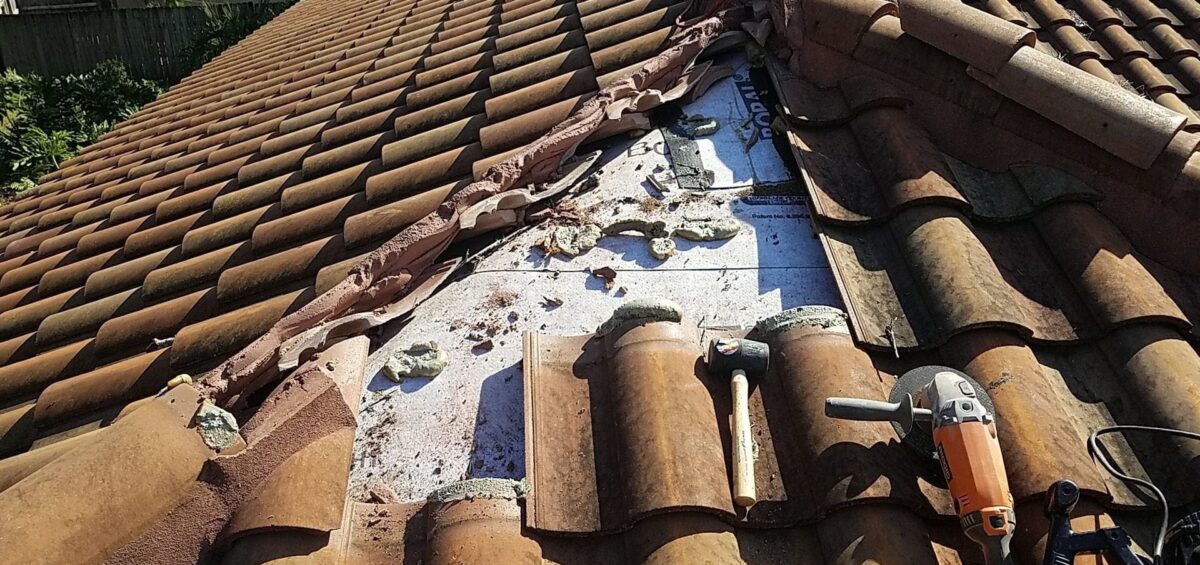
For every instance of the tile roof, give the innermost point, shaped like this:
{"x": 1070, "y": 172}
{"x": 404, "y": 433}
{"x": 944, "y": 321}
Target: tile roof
{"x": 627, "y": 450}
{"x": 334, "y": 147}
{"x": 1146, "y": 46}
{"x": 254, "y": 184}
{"x": 983, "y": 205}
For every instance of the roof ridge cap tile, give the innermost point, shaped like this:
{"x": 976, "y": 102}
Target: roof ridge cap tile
{"x": 977, "y": 37}
{"x": 840, "y": 24}
{"x": 1132, "y": 128}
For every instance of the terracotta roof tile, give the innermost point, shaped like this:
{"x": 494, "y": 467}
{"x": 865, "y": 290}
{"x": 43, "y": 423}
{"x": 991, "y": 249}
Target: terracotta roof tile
{"x": 979, "y": 229}
{"x": 191, "y": 228}
{"x": 1144, "y": 42}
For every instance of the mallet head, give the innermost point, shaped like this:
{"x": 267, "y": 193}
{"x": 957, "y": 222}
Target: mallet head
{"x": 726, "y": 355}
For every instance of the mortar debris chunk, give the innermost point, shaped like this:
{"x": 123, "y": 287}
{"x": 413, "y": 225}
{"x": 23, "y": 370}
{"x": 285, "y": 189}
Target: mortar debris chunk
{"x": 571, "y": 240}
{"x": 425, "y": 359}
{"x": 218, "y": 428}
{"x": 662, "y": 248}
{"x": 709, "y": 230}
{"x": 700, "y": 126}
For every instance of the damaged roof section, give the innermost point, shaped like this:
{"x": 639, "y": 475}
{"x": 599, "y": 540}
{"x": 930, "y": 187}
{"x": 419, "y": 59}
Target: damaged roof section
{"x": 335, "y": 147}
{"x": 255, "y": 185}
{"x": 153, "y": 488}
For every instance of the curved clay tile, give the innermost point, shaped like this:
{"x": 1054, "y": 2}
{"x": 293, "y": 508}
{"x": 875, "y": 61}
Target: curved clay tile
{"x": 189, "y": 274}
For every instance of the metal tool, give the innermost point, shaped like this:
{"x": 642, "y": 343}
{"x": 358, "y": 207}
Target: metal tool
{"x": 1063, "y": 543}
{"x": 942, "y": 411}
{"x": 740, "y": 359}
{"x": 1174, "y": 544}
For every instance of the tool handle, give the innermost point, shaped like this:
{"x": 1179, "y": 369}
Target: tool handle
{"x": 743, "y": 445}
{"x": 862, "y": 409}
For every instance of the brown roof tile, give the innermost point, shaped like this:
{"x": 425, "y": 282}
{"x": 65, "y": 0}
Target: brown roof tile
{"x": 194, "y": 226}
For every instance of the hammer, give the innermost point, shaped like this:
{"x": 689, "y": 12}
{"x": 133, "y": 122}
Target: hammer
{"x": 740, "y": 358}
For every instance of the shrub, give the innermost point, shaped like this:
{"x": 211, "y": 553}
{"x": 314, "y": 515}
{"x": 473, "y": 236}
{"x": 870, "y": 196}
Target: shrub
{"x": 226, "y": 24}
{"x": 46, "y": 120}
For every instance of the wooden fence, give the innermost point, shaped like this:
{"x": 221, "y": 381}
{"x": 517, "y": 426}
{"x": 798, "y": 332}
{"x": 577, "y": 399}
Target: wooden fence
{"x": 150, "y": 41}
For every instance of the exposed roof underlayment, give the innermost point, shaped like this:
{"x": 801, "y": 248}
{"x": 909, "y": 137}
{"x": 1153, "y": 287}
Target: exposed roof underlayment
{"x": 423, "y": 433}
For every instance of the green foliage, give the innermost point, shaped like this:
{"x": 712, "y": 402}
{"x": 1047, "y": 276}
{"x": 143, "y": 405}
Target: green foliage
{"x": 46, "y": 120}
{"x": 227, "y": 24}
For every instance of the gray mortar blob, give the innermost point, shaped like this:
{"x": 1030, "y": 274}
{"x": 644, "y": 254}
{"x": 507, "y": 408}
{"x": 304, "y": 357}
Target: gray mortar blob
{"x": 425, "y": 359}
{"x": 709, "y": 230}
{"x": 662, "y": 248}
{"x": 826, "y": 317}
{"x": 573, "y": 241}
{"x": 218, "y": 428}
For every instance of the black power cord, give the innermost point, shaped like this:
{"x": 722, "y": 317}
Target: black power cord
{"x": 1185, "y": 526}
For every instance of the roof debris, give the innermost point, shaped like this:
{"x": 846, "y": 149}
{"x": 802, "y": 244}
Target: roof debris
{"x": 663, "y": 179}
{"x": 753, "y": 140}
{"x": 699, "y": 125}
{"x": 483, "y": 347}
{"x": 159, "y": 343}
{"x": 662, "y": 248}
{"x": 426, "y": 359}
{"x": 606, "y": 274}
{"x": 712, "y": 229}
{"x": 570, "y": 240}
{"x": 217, "y": 427}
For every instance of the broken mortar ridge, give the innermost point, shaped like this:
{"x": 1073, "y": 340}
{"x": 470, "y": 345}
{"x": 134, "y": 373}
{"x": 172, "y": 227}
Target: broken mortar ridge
{"x": 642, "y": 310}
{"x": 709, "y": 230}
{"x": 426, "y": 359}
{"x": 472, "y": 489}
{"x": 826, "y": 317}
{"x": 218, "y": 428}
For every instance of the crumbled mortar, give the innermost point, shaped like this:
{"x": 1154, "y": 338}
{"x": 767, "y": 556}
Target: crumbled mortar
{"x": 571, "y": 240}
{"x": 826, "y": 317}
{"x": 426, "y": 359}
{"x": 709, "y": 230}
{"x": 471, "y": 489}
{"x": 700, "y": 126}
{"x": 662, "y": 248}
{"x": 642, "y": 310}
{"x": 218, "y": 428}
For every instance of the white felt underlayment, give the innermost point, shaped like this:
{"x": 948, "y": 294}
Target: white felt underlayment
{"x": 421, "y": 434}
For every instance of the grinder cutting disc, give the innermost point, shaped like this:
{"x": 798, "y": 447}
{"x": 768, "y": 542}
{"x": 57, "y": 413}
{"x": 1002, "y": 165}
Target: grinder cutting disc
{"x": 920, "y": 438}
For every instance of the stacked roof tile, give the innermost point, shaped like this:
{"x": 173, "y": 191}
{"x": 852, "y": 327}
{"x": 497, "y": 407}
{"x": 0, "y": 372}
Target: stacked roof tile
{"x": 1148, "y": 47}
{"x": 254, "y": 184}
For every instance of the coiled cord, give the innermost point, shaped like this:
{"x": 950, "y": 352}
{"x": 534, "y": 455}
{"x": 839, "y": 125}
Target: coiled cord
{"x": 1094, "y": 450}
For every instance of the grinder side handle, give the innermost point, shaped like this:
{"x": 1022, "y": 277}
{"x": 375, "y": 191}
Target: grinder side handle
{"x": 860, "y": 409}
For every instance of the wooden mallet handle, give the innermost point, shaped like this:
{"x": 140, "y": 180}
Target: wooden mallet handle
{"x": 743, "y": 445}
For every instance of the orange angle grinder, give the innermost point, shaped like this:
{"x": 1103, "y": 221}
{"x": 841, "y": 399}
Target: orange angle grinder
{"x": 943, "y": 413}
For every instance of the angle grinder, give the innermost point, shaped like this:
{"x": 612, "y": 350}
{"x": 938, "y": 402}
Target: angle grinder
{"x": 943, "y": 413}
